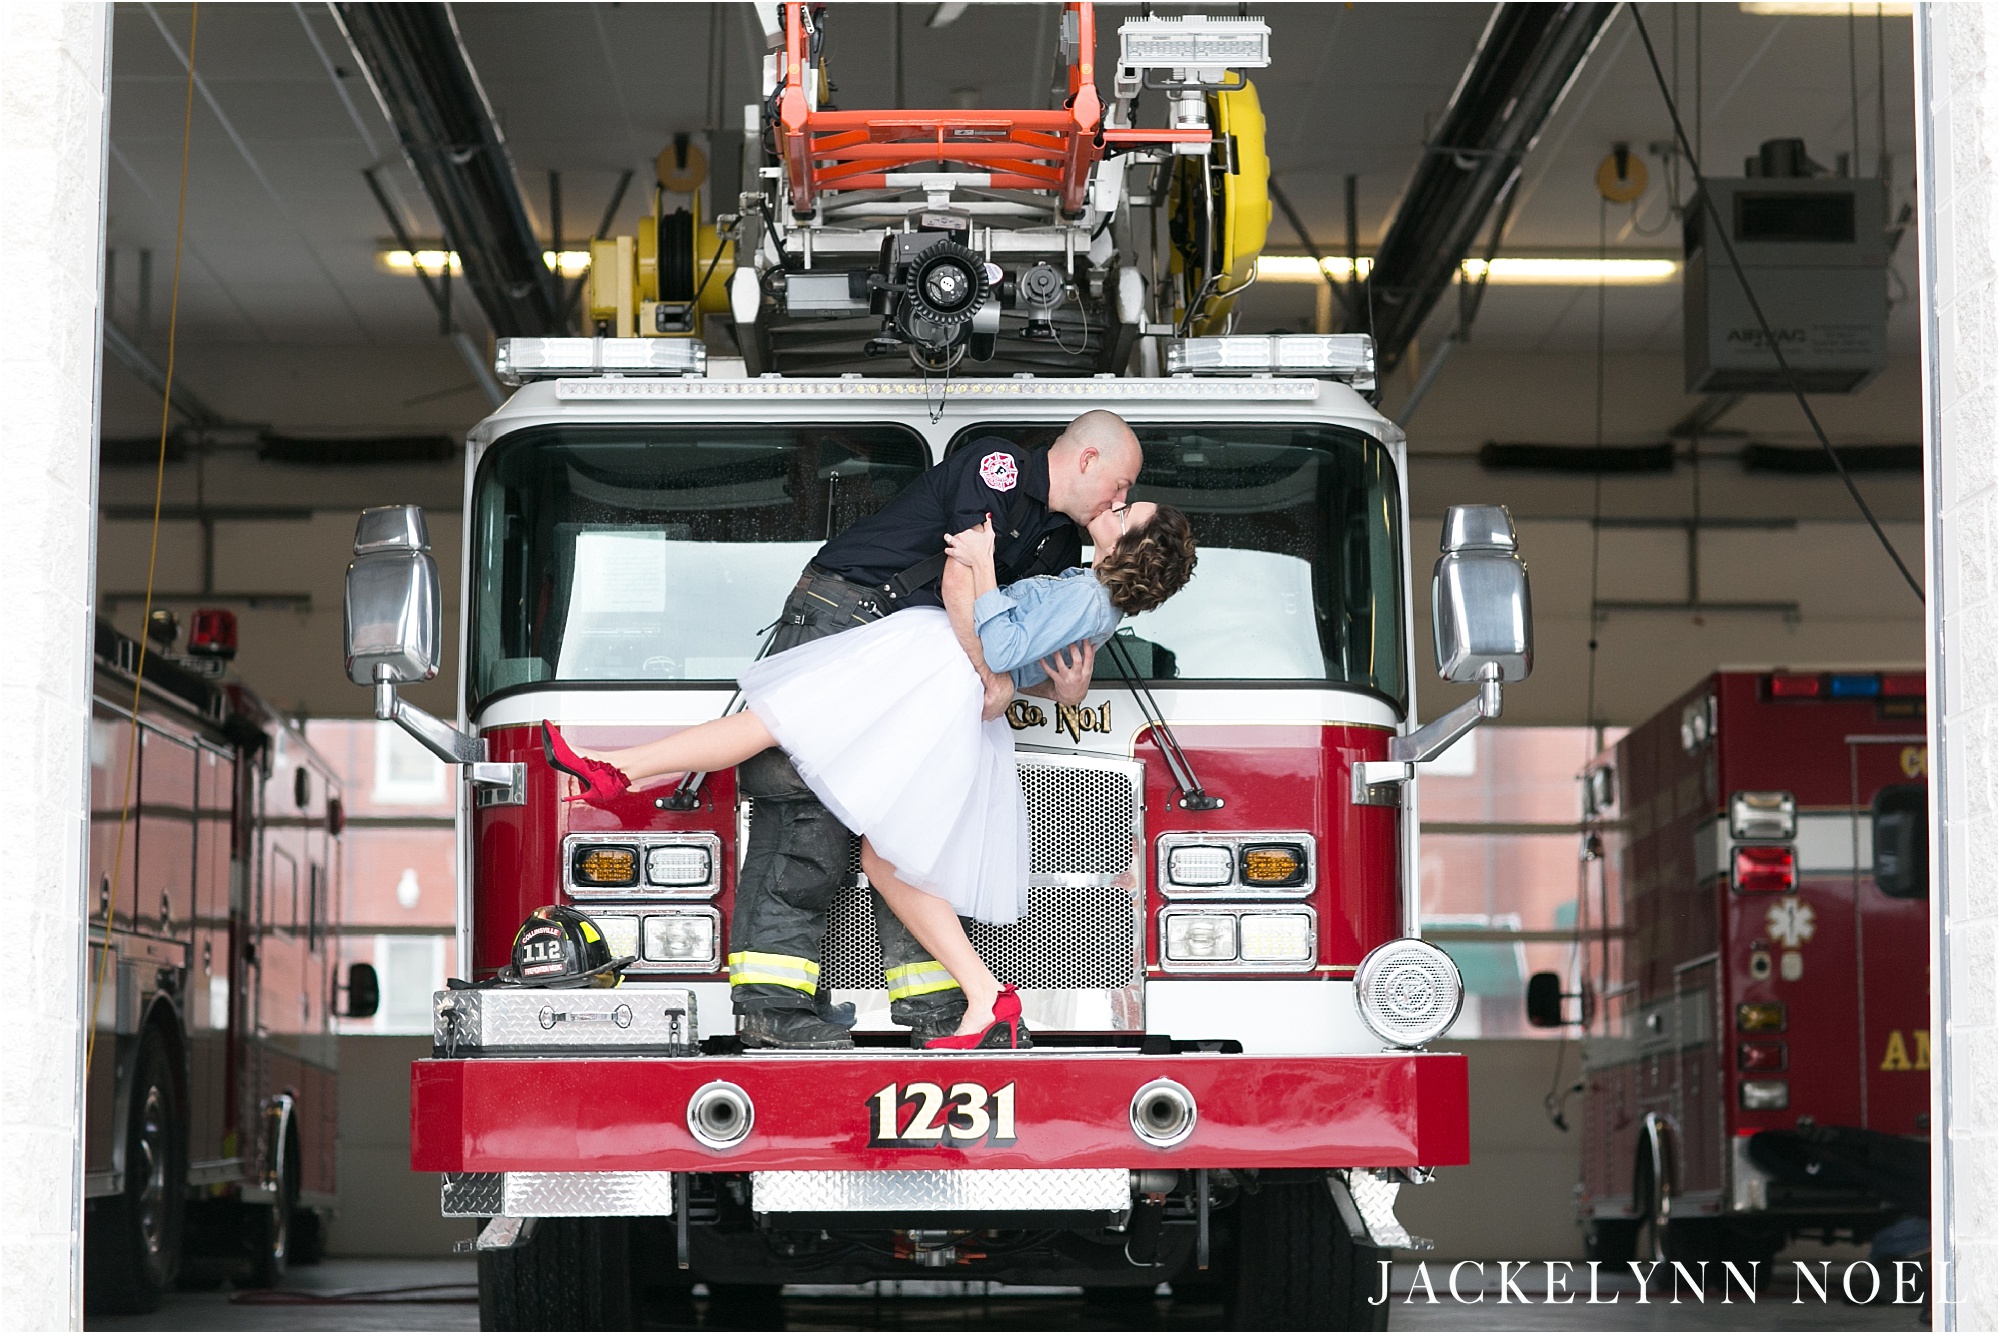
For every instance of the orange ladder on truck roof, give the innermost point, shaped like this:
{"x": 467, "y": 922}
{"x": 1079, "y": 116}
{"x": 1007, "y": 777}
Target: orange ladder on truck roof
{"x": 1022, "y": 150}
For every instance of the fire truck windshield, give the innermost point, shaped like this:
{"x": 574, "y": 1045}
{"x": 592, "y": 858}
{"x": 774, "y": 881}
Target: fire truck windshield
{"x": 1300, "y": 531}
{"x": 660, "y": 553}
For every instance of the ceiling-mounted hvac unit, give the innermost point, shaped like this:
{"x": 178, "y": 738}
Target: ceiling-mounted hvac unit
{"x": 1813, "y": 248}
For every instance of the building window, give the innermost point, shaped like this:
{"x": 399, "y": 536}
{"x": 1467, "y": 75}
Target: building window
{"x": 1501, "y": 869}
{"x": 405, "y": 773}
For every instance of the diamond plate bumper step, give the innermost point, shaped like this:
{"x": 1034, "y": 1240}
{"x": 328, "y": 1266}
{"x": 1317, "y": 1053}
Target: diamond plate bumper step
{"x": 995, "y": 1198}
{"x": 557, "y": 1194}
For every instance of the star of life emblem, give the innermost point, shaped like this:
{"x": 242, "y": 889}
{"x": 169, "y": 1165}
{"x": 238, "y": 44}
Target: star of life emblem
{"x": 998, "y": 471}
{"x": 1790, "y": 922}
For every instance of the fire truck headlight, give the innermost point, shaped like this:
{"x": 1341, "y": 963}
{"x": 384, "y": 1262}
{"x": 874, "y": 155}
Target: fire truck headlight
{"x": 620, "y": 933}
{"x": 1276, "y": 937}
{"x": 677, "y": 867}
{"x": 1764, "y": 1095}
{"x": 680, "y": 938}
{"x": 1199, "y": 866}
{"x": 1200, "y": 937}
{"x": 1409, "y": 992}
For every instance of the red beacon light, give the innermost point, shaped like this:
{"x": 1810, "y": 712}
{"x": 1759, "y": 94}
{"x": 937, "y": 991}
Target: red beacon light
{"x": 213, "y": 634}
{"x": 1902, "y": 685}
{"x": 1771, "y": 870}
{"x": 1785, "y": 685}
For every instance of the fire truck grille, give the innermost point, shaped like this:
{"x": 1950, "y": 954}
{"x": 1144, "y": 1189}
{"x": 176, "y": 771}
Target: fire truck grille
{"x": 1084, "y": 938}
{"x": 1085, "y": 895}
{"x": 1080, "y": 821}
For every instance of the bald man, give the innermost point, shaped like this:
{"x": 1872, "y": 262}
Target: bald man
{"x": 797, "y": 853}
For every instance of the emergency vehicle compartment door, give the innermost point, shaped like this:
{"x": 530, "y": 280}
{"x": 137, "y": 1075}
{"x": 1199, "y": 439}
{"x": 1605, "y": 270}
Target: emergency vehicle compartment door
{"x": 1891, "y": 940}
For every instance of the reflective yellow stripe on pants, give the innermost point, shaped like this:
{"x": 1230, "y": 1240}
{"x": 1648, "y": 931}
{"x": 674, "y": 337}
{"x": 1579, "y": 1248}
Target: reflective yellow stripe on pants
{"x": 918, "y": 979}
{"x": 752, "y": 968}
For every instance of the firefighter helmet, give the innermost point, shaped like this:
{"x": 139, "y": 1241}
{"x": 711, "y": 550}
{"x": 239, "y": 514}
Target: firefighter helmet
{"x": 561, "y": 947}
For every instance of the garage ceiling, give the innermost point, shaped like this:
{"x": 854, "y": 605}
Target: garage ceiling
{"x": 282, "y": 233}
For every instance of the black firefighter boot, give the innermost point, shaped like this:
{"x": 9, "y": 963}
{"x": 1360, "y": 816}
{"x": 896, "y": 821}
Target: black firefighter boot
{"x": 792, "y": 1028}
{"x": 921, "y": 993}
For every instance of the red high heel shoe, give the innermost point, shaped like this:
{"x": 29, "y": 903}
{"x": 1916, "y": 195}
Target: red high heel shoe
{"x": 1006, "y": 1032}
{"x": 601, "y": 780}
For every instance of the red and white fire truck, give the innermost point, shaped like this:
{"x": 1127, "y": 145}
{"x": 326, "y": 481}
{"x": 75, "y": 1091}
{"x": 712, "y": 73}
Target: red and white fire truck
{"x": 210, "y": 1105}
{"x": 1756, "y": 1046}
{"x": 1219, "y": 959}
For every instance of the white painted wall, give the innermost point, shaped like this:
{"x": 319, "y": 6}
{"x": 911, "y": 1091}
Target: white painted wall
{"x": 54, "y": 64}
{"x": 1958, "y": 121}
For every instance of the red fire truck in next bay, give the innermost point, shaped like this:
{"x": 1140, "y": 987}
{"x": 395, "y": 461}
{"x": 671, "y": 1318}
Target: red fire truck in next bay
{"x": 212, "y": 1101}
{"x": 1756, "y": 1046}
{"x": 1219, "y": 957}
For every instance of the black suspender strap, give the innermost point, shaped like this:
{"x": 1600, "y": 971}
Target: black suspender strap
{"x": 921, "y": 575}
{"x": 930, "y": 570}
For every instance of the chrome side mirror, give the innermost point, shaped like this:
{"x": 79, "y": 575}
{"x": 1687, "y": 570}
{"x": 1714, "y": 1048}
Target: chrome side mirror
{"x": 394, "y": 633}
{"x": 1480, "y": 615}
{"x": 1484, "y": 631}
{"x": 393, "y": 612}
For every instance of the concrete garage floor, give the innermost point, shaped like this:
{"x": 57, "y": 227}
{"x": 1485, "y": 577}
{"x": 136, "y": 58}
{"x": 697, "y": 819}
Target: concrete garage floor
{"x": 439, "y": 1294}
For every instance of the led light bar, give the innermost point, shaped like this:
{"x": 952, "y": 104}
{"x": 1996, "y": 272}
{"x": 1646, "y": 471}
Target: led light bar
{"x": 1106, "y": 390}
{"x": 519, "y": 360}
{"x": 1349, "y": 358}
{"x": 1194, "y": 42}
{"x": 1503, "y": 271}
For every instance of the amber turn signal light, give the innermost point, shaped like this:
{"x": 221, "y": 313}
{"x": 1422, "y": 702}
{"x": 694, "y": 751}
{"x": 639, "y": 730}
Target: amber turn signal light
{"x": 1760, "y": 1017}
{"x": 1274, "y": 864}
{"x": 605, "y": 866}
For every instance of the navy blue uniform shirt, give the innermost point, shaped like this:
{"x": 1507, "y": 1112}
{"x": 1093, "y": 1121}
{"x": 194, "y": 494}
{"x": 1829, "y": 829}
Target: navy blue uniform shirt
{"x": 987, "y": 476}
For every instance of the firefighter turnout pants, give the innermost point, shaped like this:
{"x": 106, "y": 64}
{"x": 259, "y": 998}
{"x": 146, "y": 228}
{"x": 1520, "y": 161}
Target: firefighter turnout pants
{"x": 798, "y": 857}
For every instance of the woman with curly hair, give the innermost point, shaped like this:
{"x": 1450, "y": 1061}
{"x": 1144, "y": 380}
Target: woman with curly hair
{"x": 883, "y": 723}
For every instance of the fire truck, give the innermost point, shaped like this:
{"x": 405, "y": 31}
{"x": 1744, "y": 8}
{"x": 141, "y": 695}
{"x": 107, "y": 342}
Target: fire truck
{"x": 1755, "y": 1005}
{"x": 1220, "y": 959}
{"x": 210, "y": 1101}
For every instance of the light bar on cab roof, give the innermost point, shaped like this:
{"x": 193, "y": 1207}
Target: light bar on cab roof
{"x": 1104, "y": 390}
{"x": 519, "y": 360}
{"x": 1349, "y": 358}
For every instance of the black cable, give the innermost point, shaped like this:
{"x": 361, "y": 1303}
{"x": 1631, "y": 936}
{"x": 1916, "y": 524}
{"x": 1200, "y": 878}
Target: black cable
{"x": 1721, "y": 234}
{"x": 1555, "y": 1102}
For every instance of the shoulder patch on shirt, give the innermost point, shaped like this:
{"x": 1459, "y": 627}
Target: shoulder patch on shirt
{"x": 999, "y": 471}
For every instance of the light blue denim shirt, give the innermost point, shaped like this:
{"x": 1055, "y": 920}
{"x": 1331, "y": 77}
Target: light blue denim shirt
{"x": 1023, "y": 623}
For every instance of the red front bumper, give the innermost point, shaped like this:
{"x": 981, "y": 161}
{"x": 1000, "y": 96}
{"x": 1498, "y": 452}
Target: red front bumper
{"x": 815, "y": 1112}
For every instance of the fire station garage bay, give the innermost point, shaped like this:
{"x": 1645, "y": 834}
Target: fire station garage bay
{"x": 1536, "y": 873}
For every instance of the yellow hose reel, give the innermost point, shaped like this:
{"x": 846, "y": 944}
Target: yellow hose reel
{"x": 1219, "y": 212}
{"x": 650, "y": 285}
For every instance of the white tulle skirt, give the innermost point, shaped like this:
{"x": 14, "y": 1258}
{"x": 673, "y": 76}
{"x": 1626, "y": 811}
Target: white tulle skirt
{"x": 882, "y": 722}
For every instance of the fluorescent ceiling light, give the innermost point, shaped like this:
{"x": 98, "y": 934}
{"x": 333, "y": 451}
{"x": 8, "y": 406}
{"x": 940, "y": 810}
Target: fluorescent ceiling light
{"x": 575, "y": 263}
{"x": 1572, "y": 272}
{"x": 1506, "y": 272}
{"x": 1895, "y": 9}
{"x": 1301, "y": 269}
